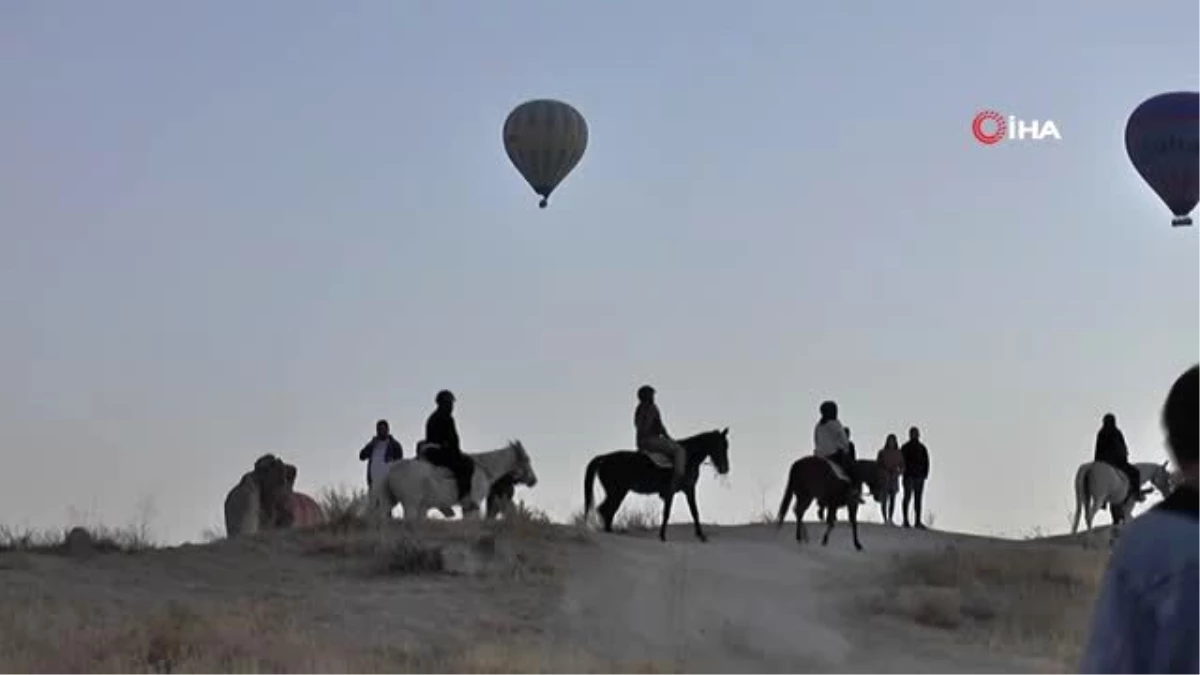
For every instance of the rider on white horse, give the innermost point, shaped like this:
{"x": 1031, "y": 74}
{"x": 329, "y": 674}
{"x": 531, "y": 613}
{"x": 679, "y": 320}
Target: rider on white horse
{"x": 1112, "y": 450}
{"x": 831, "y": 442}
{"x": 441, "y": 446}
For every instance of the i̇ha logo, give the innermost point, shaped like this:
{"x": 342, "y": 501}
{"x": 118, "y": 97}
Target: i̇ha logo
{"x": 990, "y": 127}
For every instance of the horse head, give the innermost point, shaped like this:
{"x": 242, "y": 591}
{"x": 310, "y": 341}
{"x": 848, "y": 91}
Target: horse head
{"x": 875, "y": 475}
{"x": 1162, "y": 479}
{"x": 523, "y": 471}
{"x": 709, "y": 444}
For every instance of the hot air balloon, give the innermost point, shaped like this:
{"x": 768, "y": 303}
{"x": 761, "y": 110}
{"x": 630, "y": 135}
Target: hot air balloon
{"x": 1163, "y": 143}
{"x": 545, "y": 139}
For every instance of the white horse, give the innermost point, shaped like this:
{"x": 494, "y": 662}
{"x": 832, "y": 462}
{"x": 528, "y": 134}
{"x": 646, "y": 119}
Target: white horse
{"x": 418, "y": 485}
{"x": 1098, "y": 484}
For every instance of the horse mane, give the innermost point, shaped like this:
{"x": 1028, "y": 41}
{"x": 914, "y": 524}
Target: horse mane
{"x": 700, "y": 436}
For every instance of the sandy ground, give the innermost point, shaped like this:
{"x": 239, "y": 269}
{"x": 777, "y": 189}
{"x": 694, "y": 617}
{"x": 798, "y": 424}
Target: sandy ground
{"x": 753, "y": 600}
{"x": 750, "y": 600}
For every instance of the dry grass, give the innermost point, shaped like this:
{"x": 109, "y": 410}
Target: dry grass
{"x": 1023, "y": 597}
{"x": 251, "y": 637}
{"x": 244, "y": 628}
{"x": 76, "y": 540}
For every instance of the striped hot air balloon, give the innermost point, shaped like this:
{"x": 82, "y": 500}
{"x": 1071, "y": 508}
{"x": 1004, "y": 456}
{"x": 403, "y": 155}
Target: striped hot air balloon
{"x": 1162, "y": 138}
{"x": 545, "y": 139}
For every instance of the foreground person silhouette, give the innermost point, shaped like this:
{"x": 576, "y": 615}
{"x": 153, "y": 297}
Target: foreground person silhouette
{"x": 1145, "y": 619}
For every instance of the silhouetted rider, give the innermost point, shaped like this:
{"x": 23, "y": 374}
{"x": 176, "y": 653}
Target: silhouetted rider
{"x": 830, "y": 441}
{"x": 441, "y": 431}
{"x": 652, "y": 436}
{"x": 1111, "y": 449}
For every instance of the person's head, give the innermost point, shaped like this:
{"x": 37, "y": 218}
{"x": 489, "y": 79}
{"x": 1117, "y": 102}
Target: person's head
{"x": 382, "y": 429}
{"x": 1109, "y": 421}
{"x": 891, "y": 441}
{"x": 1179, "y": 421}
{"x": 914, "y": 434}
{"x": 645, "y": 393}
{"x": 829, "y": 411}
{"x": 444, "y": 399}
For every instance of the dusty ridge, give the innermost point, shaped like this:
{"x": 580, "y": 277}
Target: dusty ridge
{"x": 534, "y": 597}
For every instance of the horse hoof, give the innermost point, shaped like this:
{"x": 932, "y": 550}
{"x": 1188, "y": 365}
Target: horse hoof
{"x": 857, "y": 546}
{"x": 702, "y": 538}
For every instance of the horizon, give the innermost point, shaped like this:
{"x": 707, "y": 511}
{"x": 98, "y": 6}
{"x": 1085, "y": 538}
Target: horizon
{"x": 234, "y": 232}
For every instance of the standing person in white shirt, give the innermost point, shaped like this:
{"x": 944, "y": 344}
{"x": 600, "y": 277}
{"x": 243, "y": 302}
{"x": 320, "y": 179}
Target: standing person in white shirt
{"x": 831, "y": 442}
{"x": 379, "y": 452}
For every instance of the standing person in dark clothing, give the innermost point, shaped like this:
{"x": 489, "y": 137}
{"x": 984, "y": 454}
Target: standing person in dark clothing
{"x": 380, "y": 451}
{"x": 851, "y": 450}
{"x": 916, "y": 471}
{"x": 1111, "y": 449}
{"x": 441, "y": 432}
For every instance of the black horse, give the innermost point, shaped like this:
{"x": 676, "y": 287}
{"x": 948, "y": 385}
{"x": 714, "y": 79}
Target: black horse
{"x": 812, "y": 478}
{"x": 625, "y": 471}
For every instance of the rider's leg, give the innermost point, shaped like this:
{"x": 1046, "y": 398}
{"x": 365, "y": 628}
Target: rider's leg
{"x": 1135, "y": 482}
{"x": 463, "y": 468}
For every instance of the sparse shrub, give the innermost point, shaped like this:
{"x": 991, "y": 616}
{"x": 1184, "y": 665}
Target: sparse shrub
{"x": 1034, "y": 597}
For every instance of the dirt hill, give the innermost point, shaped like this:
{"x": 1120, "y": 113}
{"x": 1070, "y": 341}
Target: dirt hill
{"x": 529, "y": 596}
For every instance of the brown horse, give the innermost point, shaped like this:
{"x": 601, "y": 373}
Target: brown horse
{"x": 813, "y": 478}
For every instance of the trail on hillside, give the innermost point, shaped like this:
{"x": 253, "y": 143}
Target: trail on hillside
{"x": 750, "y": 600}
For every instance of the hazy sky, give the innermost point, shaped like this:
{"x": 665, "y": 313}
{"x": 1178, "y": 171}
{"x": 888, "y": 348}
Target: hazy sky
{"x": 233, "y": 228}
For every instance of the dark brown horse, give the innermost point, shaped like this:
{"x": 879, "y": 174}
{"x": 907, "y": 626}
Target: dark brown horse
{"x": 626, "y": 471}
{"x": 811, "y": 479}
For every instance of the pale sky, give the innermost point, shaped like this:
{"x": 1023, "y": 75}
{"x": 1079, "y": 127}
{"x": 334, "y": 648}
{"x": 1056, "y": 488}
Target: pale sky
{"x": 236, "y": 228}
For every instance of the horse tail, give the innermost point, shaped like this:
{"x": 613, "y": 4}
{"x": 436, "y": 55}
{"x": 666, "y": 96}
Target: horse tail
{"x": 589, "y": 478}
{"x": 788, "y": 492}
{"x": 1082, "y": 492}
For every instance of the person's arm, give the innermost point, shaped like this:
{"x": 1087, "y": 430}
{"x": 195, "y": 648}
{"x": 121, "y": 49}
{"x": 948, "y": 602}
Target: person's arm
{"x": 395, "y": 451}
{"x": 365, "y": 453}
{"x": 452, "y": 432}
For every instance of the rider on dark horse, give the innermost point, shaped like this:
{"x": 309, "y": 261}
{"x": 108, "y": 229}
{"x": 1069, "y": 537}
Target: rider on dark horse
{"x": 652, "y": 437}
{"x": 831, "y": 442}
{"x": 441, "y": 432}
{"x": 1111, "y": 449}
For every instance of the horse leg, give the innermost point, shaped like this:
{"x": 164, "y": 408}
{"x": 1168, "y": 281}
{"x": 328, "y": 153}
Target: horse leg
{"x": 852, "y": 516}
{"x": 802, "y": 504}
{"x": 690, "y": 493}
{"x": 608, "y": 507}
{"x": 830, "y": 520}
{"x": 668, "y": 500}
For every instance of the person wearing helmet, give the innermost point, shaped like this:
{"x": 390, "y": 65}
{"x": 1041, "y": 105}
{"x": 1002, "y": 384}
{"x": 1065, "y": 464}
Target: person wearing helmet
{"x": 652, "y": 437}
{"x": 442, "y": 434}
{"x": 831, "y": 442}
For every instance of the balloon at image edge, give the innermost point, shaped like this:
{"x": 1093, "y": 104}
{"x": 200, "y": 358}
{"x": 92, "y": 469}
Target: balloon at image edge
{"x": 1162, "y": 140}
{"x": 545, "y": 139}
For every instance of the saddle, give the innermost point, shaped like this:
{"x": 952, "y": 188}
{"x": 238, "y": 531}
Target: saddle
{"x": 838, "y": 471}
{"x": 423, "y": 448}
{"x": 658, "y": 459}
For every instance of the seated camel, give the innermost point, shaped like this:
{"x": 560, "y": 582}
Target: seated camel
{"x": 265, "y": 499}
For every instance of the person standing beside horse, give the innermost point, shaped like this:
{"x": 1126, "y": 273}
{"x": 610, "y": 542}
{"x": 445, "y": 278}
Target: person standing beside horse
{"x": 1112, "y": 450}
{"x": 380, "y": 451}
{"x": 442, "y": 446}
{"x": 831, "y": 442}
{"x": 652, "y": 437}
{"x": 916, "y": 472}
{"x": 1146, "y": 617}
{"x": 891, "y": 464}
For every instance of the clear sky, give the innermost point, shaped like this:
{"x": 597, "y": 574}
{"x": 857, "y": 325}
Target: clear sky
{"x": 234, "y": 228}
